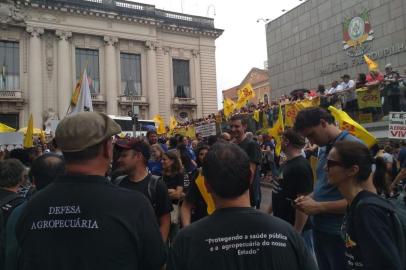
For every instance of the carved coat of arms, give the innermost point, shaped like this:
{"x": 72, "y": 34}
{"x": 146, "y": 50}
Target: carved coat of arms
{"x": 357, "y": 34}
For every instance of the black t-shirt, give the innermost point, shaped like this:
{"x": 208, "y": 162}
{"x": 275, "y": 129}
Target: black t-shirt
{"x": 252, "y": 149}
{"x": 296, "y": 180}
{"x": 239, "y": 238}
{"x": 194, "y": 196}
{"x": 369, "y": 237}
{"x": 173, "y": 181}
{"x": 162, "y": 204}
{"x": 85, "y": 222}
{"x": 7, "y": 208}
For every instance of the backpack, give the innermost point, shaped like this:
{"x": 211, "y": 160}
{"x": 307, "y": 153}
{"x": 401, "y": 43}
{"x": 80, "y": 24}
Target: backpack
{"x": 151, "y": 188}
{"x": 397, "y": 210}
{"x": 6, "y": 204}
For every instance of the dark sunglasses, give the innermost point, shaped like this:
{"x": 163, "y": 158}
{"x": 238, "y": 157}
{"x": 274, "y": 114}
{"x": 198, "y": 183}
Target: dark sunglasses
{"x": 332, "y": 163}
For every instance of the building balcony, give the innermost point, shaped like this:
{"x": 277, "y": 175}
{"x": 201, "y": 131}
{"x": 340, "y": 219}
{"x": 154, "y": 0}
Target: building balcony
{"x": 183, "y": 102}
{"x": 98, "y": 99}
{"x": 15, "y": 97}
{"x": 128, "y": 100}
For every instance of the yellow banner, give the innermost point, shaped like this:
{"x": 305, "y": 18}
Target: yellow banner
{"x": 368, "y": 98}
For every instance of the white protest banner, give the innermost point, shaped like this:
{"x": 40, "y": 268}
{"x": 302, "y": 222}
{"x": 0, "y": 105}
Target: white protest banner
{"x": 207, "y": 129}
{"x": 12, "y": 138}
{"x": 397, "y": 125}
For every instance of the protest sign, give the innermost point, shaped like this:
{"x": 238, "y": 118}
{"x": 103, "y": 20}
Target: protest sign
{"x": 206, "y": 130}
{"x": 368, "y": 98}
{"x": 397, "y": 125}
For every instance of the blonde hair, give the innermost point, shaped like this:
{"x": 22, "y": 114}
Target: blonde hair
{"x": 156, "y": 146}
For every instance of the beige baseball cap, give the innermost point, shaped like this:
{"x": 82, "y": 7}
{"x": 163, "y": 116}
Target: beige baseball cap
{"x": 82, "y": 130}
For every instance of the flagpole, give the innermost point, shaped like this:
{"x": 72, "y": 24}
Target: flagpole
{"x": 81, "y": 77}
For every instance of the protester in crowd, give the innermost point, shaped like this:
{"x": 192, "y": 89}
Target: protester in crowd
{"x": 82, "y": 221}
{"x": 401, "y": 176}
{"x": 368, "y": 230}
{"x": 348, "y": 86}
{"x": 173, "y": 143}
{"x": 238, "y": 125}
{"x": 268, "y": 156}
{"x": 12, "y": 173}
{"x": 44, "y": 170}
{"x": 361, "y": 80}
{"x": 173, "y": 176}
{"x": 152, "y": 137}
{"x": 374, "y": 76}
{"x": 194, "y": 206}
{"x": 155, "y": 162}
{"x": 391, "y": 89}
{"x": 183, "y": 140}
{"x": 335, "y": 88}
{"x": 326, "y": 204}
{"x": 189, "y": 166}
{"x": 133, "y": 159}
{"x": 296, "y": 180}
{"x": 236, "y": 236}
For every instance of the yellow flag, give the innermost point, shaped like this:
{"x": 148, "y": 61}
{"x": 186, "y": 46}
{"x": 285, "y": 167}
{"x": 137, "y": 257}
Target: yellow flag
{"x": 191, "y": 132}
{"x": 256, "y": 115}
{"x": 28, "y": 139}
{"x": 291, "y": 110}
{"x": 161, "y": 125}
{"x": 229, "y": 107}
{"x": 205, "y": 194}
{"x": 244, "y": 95}
{"x": 307, "y": 103}
{"x": 5, "y": 128}
{"x": 345, "y": 122}
{"x": 372, "y": 65}
{"x": 76, "y": 92}
{"x": 276, "y": 132}
{"x": 172, "y": 123}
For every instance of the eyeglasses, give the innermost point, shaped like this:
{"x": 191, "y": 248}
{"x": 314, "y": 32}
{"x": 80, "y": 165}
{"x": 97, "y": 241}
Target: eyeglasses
{"x": 332, "y": 163}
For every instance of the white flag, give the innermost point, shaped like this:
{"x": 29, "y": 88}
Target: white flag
{"x": 85, "y": 98}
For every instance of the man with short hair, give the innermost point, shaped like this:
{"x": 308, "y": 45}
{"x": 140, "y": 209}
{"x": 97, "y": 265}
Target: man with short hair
{"x": 326, "y": 203}
{"x": 44, "y": 170}
{"x": 82, "y": 221}
{"x": 348, "y": 86}
{"x": 133, "y": 160}
{"x": 236, "y": 236}
{"x": 12, "y": 173}
{"x": 238, "y": 125}
{"x": 152, "y": 137}
{"x": 391, "y": 90}
{"x": 296, "y": 179}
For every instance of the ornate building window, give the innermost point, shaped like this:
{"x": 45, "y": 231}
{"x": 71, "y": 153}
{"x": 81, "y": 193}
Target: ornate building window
{"x": 90, "y": 59}
{"x": 130, "y": 74}
{"x": 181, "y": 78}
{"x": 9, "y": 66}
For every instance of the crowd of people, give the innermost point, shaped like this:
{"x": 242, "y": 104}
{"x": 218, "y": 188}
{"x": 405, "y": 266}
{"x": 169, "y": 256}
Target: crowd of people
{"x": 95, "y": 200}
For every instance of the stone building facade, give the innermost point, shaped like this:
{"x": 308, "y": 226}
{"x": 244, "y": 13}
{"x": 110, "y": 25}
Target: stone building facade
{"x": 136, "y": 55}
{"x": 321, "y": 40}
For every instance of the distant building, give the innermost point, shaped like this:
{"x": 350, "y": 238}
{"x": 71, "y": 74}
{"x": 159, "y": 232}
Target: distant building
{"x": 259, "y": 79}
{"x": 161, "y": 61}
{"x": 321, "y": 40}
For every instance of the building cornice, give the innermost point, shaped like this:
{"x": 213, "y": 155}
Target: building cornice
{"x": 131, "y": 12}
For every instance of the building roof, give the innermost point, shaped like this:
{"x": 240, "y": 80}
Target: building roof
{"x": 122, "y": 9}
{"x": 255, "y": 77}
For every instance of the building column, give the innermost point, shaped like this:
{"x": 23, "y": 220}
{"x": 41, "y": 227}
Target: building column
{"x": 198, "y": 84}
{"x": 110, "y": 70}
{"x": 35, "y": 75}
{"x": 64, "y": 73}
{"x": 153, "y": 98}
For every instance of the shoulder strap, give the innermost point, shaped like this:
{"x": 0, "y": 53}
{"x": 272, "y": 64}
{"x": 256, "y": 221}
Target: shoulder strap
{"x": 153, "y": 182}
{"x": 8, "y": 199}
{"x": 119, "y": 179}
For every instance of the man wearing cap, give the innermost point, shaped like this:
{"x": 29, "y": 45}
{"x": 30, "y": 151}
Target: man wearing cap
{"x": 81, "y": 221}
{"x": 132, "y": 161}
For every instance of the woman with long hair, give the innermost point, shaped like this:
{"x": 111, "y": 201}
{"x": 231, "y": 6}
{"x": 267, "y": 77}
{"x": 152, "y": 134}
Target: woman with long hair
{"x": 155, "y": 163}
{"x": 172, "y": 175}
{"x": 368, "y": 230}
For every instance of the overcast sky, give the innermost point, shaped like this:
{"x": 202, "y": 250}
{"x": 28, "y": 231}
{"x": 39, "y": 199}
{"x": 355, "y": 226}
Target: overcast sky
{"x": 242, "y": 44}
